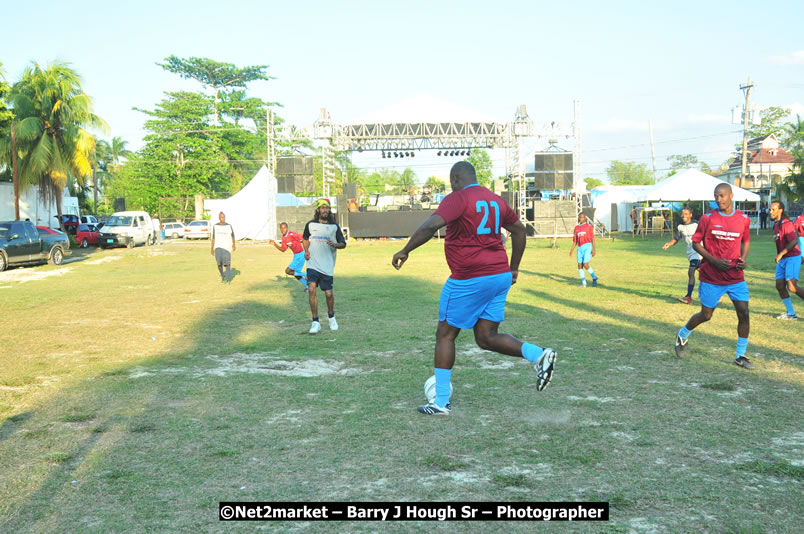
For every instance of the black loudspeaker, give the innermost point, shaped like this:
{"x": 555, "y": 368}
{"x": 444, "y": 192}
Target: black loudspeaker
{"x": 296, "y": 165}
{"x": 295, "y": 184}
{"x": 120, "y": 204}
{"x": 350, "y": 190}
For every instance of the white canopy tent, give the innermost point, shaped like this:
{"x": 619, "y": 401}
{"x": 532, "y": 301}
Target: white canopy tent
{"x": 689, "y": 185}
{"x": 251, "y": 211}
{"x": 624, "y": 197}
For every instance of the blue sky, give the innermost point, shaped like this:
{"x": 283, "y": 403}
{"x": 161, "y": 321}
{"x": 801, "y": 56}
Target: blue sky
{"x": 678, "y": 64}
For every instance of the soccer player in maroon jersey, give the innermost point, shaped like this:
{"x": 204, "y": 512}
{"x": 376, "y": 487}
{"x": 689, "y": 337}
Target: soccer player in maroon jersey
{"x": 474, "y": 294}
{"x": 788, "y": 259}
{"x": 292, "y": 241}
{"x": 798, "y": 226}
{"x": 723, "y": 240}
{"x": 584, "y": 238}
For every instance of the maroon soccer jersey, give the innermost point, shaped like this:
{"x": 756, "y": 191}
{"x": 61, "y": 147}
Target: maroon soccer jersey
{"x": 583, "y": 234}
{"x": 473, "y": 244}
{"x": 783, "y": 233}
{"x": 798, "y": 226}
{"x": 721, "y": 235}
{"x": 292, "y": 240}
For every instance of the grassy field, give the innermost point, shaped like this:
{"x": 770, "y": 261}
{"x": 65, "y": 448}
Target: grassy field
{"x": 137, "y": 392}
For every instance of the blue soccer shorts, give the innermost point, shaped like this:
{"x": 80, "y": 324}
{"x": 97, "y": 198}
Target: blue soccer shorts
{"x": 584, "y": 253}
{"x": 788, "y": 268}
{"x": 297, "y": 264}
{"x": 463, "y": 302}
{"x": 710, "y": 294}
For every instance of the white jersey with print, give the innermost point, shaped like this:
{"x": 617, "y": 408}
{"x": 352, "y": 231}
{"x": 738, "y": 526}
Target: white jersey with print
{"x": 685, "y": 232}
{"x": 223, "y": 234}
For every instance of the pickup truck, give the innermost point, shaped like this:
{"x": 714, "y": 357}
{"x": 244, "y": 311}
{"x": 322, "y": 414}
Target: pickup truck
{"x": 21, "y": 244}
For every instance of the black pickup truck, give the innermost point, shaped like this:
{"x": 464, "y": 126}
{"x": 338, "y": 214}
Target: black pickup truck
{"x": 22, "y": 244}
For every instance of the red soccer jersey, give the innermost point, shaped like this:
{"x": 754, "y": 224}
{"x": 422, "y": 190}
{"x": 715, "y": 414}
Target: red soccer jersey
{"x": 292, "y": 240}
{"x": 798, "y": 226}
{"x": 584, "y": 233}
{"x": 721, "y": 235}
{"x": 783, "y": 233}
{"x": 473, "y": 244}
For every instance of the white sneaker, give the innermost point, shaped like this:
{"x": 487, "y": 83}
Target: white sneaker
{"x": 788, "y": 317}
{"x": 315, "y": 328}
{"x": 333, "y": 324}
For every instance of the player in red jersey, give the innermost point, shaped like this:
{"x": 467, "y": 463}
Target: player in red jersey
{"x": 798, "y": 226}
{"x": 722, "y": 239}
{"x": 584, "y": 238}
{"x": 474, "y": 294}
{"x": 788, "y": 259}
{"x": 292, "y": 241}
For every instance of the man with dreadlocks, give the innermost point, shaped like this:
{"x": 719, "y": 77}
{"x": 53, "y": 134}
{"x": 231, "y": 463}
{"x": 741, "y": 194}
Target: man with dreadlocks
{"x": 321, "y": 238}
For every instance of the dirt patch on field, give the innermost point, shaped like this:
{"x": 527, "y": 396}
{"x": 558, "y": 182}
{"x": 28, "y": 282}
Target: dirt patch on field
{"x": 258, "y": 363}
{"x": 102, "y": 260}
{"x": 27, "y": 275}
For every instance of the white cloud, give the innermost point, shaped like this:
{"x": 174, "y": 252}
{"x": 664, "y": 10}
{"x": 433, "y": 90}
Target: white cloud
{"x": 796, "y": 108}
{"x": 708, "y": 118}
{"x": 796, "y": 58}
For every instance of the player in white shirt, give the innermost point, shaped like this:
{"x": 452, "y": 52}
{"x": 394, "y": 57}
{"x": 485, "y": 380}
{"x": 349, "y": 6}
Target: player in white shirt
{"x": 685, "y": 231}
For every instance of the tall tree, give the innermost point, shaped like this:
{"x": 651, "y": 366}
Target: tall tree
{"x": 52, "y": 113}
{"x": 792, "y": 187}
{"x": 481, "y": 161}
{"x": 772, "y": 122}
{"x": 628, "y": 173}
{"x": 220, "y": 77}
{"x": 591, "y": 183}
{"x": 436, "y": 183}
{"x": 7, "y": 157}
{"x": 684, "y": 161}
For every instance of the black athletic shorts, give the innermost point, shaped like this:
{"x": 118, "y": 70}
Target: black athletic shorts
{"x": 695, "y": 263}
{"x": 321, "y": 280}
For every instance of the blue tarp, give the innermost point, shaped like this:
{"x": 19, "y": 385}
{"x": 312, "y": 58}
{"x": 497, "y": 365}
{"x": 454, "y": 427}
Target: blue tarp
{"x": 289, "y": 200}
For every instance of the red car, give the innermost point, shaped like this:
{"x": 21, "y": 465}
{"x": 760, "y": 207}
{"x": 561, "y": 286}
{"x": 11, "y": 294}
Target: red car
{"x": 86, "y": 235}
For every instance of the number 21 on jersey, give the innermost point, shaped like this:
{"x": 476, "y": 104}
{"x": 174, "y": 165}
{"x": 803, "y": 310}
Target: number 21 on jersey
{"x": 483, "y": 206}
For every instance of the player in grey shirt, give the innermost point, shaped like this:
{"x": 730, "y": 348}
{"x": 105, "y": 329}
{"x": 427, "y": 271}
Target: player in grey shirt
{"x": 223, "y": 244}
{"x": 321, "y": 239}
{"x": 685, "y": 231}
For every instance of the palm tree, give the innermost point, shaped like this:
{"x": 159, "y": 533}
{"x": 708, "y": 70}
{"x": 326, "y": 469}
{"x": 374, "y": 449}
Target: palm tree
{"x": 51, "y": 113}
{"x": 117, "y": 150}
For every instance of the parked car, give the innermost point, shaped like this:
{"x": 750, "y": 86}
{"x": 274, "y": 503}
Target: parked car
{"x": 23, "y": 243}
{"x": 198, "y": 230}
{"x": 86, "y": 235}
{"x": 88, "y": 219}
{"x": 174, "y": 230}
{"x": 126, "y": 229}
{"x": 69, "y": 222}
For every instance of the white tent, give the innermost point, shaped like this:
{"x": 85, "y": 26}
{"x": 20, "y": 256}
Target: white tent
{"x": 624, "y": 197}
{"x": 692, "y": 184}
{"x": 251, "y": 211}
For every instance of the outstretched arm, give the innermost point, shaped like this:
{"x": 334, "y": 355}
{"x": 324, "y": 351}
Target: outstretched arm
{"x": 422, "y": 235}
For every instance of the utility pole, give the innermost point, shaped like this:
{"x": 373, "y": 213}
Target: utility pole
{"x": 652, "y": 149}
{"x": 747, "y": 90}
{"x": 269, "y": 137}
{"x": 15, "y": 173}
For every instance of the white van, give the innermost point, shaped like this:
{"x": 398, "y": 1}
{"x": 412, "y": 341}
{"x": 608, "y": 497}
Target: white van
{"x": 127, "y": 229}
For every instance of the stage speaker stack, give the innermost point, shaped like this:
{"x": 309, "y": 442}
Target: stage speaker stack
{"x": 295, "y": 175}
{"x": 551, "y": 171}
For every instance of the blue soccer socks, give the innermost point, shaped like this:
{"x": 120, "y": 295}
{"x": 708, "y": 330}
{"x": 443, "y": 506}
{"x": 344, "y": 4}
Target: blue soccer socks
{"x": 443, "y": 379}
{"x": 684, "y": 333}
{"x": 592, "y": 272}
{"x": 788, "y": 304}
{"x": 742, "y": 346}
{"x": 531, "y": 352}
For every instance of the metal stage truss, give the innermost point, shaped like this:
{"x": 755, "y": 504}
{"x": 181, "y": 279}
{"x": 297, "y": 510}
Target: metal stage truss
{"x": 512, "y": 136}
